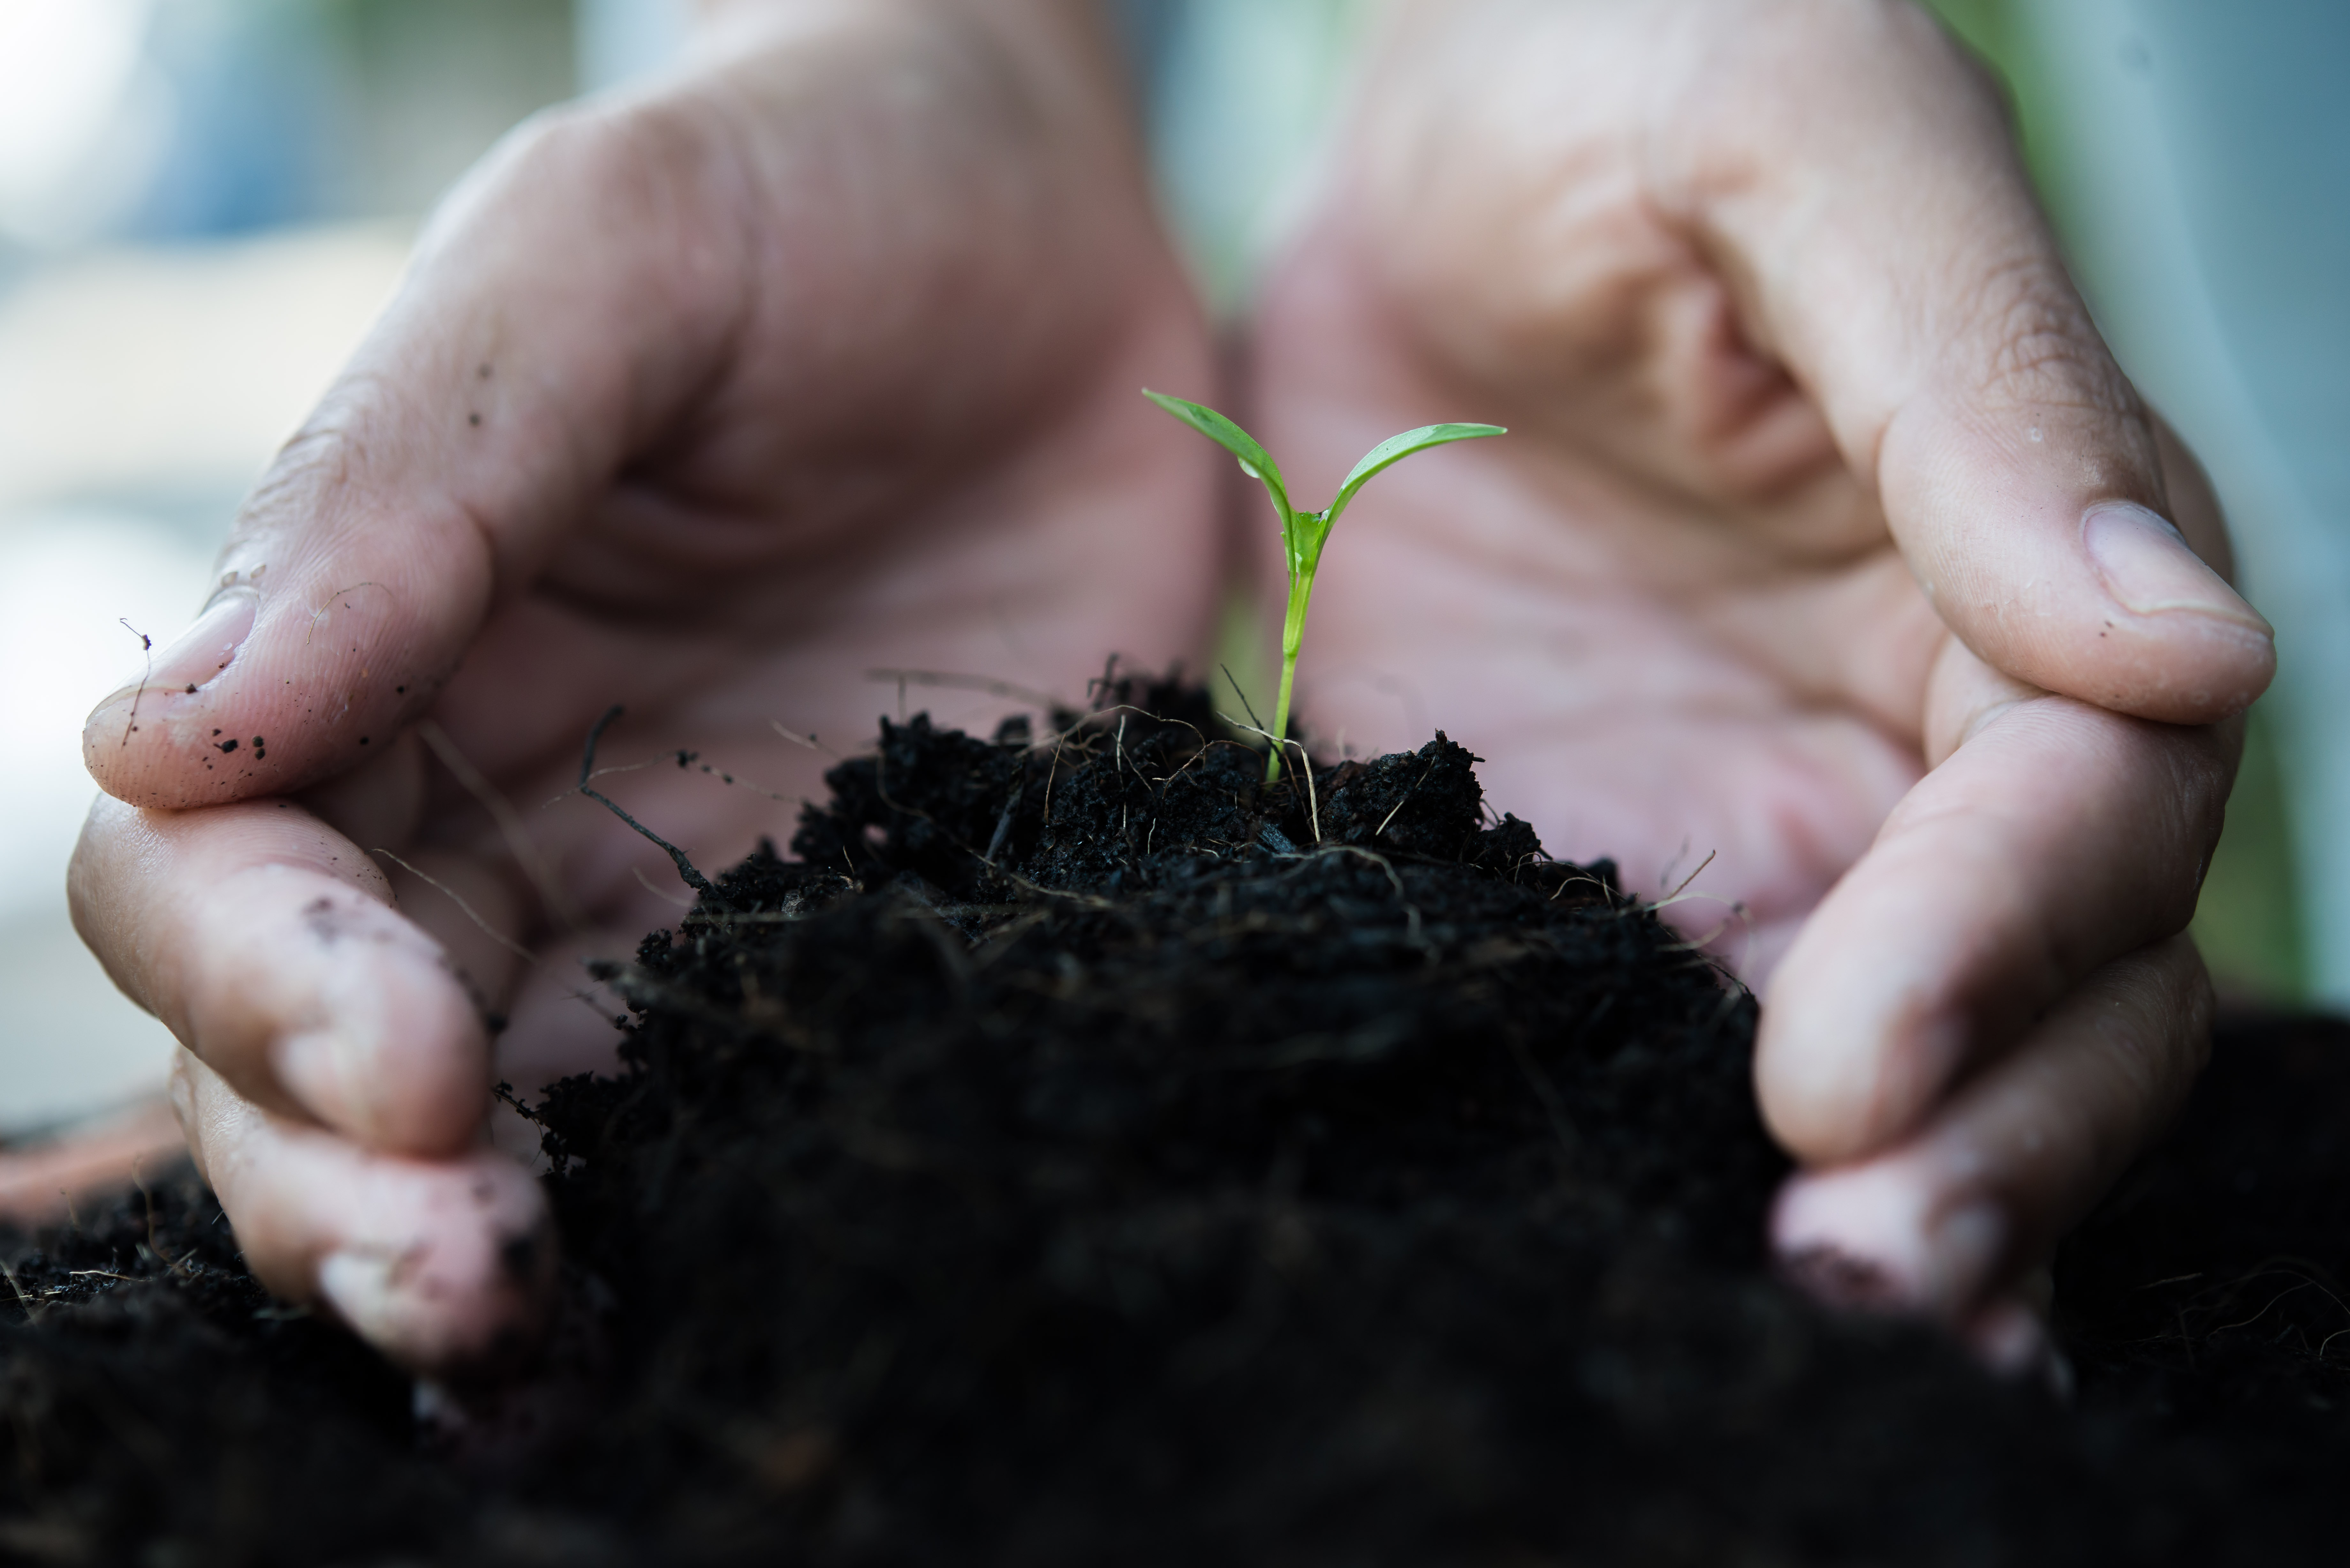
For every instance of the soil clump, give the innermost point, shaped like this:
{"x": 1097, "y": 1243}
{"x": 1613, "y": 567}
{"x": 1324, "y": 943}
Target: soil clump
{"x": 1084, "y": 1152}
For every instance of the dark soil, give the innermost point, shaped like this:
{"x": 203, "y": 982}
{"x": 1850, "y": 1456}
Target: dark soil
{"x": 1082, "y": 1153}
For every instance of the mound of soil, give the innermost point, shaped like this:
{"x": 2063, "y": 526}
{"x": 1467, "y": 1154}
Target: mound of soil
{"x": 1083, "y": 1152}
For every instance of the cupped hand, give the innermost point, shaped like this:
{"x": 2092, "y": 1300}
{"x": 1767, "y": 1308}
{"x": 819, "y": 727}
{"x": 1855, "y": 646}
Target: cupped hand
{"x": 817, "y": 357}
{"x": 1829, "y": 542}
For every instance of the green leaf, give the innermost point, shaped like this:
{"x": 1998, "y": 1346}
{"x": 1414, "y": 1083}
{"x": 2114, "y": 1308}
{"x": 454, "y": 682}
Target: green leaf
{"x": 1396, "y": 448}
{"x": 1255, "y": 461}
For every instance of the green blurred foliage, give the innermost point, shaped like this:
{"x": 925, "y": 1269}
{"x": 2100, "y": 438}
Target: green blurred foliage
{"x": 2247, "y": 924}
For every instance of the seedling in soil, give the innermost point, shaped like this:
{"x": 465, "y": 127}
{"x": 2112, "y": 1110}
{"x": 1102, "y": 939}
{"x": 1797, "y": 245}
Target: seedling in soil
{"x": 1303, "y": 534}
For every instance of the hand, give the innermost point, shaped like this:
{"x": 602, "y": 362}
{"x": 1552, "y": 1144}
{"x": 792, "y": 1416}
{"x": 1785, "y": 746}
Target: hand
{"x": 1829, "y": 541}
{"x": 820, "y": 356}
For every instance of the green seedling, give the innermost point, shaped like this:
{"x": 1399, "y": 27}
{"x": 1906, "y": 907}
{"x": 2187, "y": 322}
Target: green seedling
{"x": 1303, "y": 534}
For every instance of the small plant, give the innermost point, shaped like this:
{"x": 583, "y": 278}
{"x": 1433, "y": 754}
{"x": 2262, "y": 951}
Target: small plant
{"x": 1303, "y": 534}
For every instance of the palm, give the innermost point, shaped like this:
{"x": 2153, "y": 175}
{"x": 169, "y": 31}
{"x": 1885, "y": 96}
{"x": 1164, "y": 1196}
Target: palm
{"x": 821, "y": 356}
{"x": 965, "y": 483}
{"x": 1671, "y": 635}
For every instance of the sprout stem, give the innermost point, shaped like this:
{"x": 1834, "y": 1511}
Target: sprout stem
{"x": 1293, "y": 637}
{"x": 1303, "y": 534}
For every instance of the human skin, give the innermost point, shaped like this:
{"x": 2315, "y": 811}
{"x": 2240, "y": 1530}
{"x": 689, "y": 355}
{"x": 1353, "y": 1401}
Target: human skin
{"x": 1828, "y": 539}
{"x": 822, "y": 355}
{"x": 818, "y": 358}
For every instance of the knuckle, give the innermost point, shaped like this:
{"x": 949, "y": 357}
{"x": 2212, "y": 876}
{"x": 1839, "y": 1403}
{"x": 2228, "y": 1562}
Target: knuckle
{"x": 338, "y": 446}
{"x": 634, "y": 146}
{"x": 329, "y": 446}
{"x": 1833, "y": 46}
{"x": 2037, "y": 346}
{"x": 633, "y": 171}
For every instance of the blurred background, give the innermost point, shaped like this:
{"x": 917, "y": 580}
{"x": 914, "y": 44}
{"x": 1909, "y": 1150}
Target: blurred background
{"x": 203, "y": 203}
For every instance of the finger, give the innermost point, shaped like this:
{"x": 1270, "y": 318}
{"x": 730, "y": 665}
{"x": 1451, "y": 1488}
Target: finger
{"x": 1948, "y": 1222}
{"x": 40, "y": 1184}
{"x": 268, "y": 944}
{"x": 474, "y": 908}
{"x": 633, "y": 328}
{"x": 572, "y": 298}
{"x": 444, "y": 1266}
{"x": 2009, "y": 1335}
{"x": 2055, "y": 837}
{"x": 1858, "y": 181}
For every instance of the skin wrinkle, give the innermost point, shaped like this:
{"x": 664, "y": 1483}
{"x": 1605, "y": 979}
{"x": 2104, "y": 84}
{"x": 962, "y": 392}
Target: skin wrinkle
{"x": 733, "y": 194}
{"x": 1653, "y": 298}
{"x": 326, "y": 430}
{"x": 2052, "y": 937}
{"x": 1770, "y": 444}
{"x": 309, "y": 854}
{"x": 774, "y": 267}
{"x": 833, "y": 604}
{"x": 1771, "y": 378}
{"x": 2044, "y": 950}
{"x": 2186, "y": 776}
{"x": 1513, "y": 578}
{"x": 1680, "y": 201}
{"x": 320, "y": 473}
{"x": 1714, "y": 190}
{"x": 1883, "y": 681}
{"x": 564, "y": 151}
{"x": 2037, "y": 325}
{"x": 468, "y": 503}
{"x": 1734, "y": 596}
{"x": 945, "y": 285}
{"x": 2103, "y": 1074}
{"x": 1745, "y": 745}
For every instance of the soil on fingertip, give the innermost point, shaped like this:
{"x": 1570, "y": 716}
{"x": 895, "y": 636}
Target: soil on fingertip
{"x": 1076, "y": 1151}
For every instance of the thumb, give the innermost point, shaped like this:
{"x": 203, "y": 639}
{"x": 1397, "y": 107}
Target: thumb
{"x": 569, "y": 298}
{"x": 1908, "y": 283}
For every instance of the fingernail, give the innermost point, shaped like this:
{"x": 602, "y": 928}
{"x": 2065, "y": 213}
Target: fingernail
{"x": 1870, "y": 1238}
{"x": 2149, "y": 569}
{"x": 444, "y": 1300}
{"x": 363, "y": 1287}
{"x": 1852, "y": 1238}
{"x": 321, "y": 1068}
{"x": 207, "y": 648}
{"x": 2012, "y": 1340}
{"x": 203, "y": 652}
{"x": 1962, "y": 1251}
